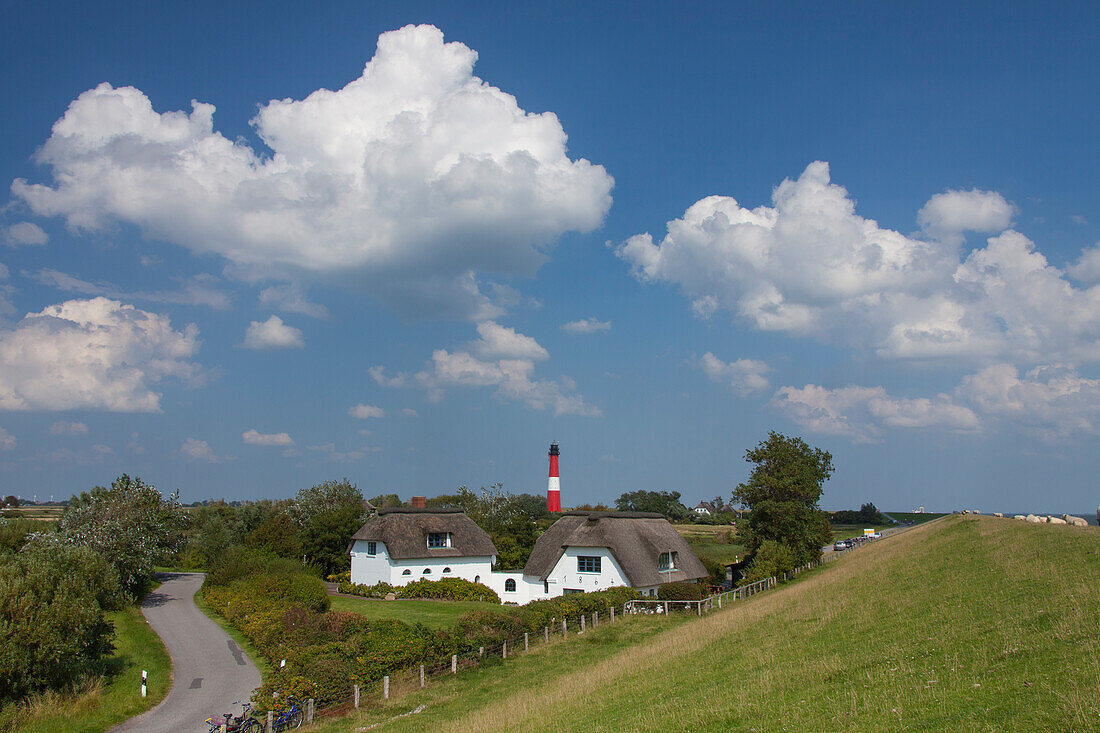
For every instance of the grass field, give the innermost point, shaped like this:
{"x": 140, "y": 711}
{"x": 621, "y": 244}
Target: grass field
{"x": 108, "y": 700}
{"x": 436, "y": 614}
{"x": 49, "y": 513}
{"x": 712, "y": 542}
{"x": 968, "y": 624}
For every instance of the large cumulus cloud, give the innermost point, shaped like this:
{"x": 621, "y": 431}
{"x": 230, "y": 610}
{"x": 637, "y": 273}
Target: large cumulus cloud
{"x": 93, "y": 354}
{"x": 411, "y": 179}
{"x": 810, "y": 265}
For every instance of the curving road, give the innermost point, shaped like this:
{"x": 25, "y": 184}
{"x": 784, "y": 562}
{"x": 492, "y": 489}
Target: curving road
{"x": 209, "y": 670}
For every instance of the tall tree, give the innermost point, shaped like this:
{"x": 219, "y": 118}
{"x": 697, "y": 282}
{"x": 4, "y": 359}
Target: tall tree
{"x": 129, "y": 524}
{"x": 782, "y": 495}
{"x": 327, "y": 515}
{"x": 661, "y": 502}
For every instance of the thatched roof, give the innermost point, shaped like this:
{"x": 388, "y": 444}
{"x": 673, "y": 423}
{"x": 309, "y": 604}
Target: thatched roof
{"x": 635, "y": 539}
{"x": 405, "y": 531}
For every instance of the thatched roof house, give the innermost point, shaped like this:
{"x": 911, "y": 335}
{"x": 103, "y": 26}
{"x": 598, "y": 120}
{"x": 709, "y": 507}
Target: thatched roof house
{"x": 409, "y": 533}
{"x": 646, "y": 547}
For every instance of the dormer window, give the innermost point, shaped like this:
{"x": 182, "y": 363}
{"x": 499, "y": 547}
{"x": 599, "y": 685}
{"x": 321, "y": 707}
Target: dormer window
{"x": 372, "y": 548}
{"x": 668, "y": 561}
{"x": 439, "y": 539}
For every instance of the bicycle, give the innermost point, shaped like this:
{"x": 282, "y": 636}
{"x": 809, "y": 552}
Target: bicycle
{"x": 243, "y": 723}
{"x": 289, "y": 718}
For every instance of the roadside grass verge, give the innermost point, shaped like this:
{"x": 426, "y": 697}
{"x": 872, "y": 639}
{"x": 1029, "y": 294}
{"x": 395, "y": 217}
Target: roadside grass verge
{"x": 242, "y": 641}
{"x": 431, "y": 613}
{"x": 972, "y": 623}
{"x": 106, "y": 700}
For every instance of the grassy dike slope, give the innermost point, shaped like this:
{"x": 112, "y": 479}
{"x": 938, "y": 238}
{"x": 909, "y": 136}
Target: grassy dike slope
{"x": 969, "y": 623}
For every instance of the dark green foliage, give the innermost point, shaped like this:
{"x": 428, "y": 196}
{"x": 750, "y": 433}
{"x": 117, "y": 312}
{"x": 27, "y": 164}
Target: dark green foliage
{"x": 868, "y": 514}
{"x": 15, "y": 532}
{"x": 10, "y": 501}
{"x": 680, "y": 592}
{"x": 450, "y": 589}
{"x": 277, "y": 534}
{"x": 327, "y": 515}
{"x": 782, "y": 495}
{"x": 661, "y": 502}
{"x": 771, "y": 559}
{"x": 512, "y": 521}
{"x": 53, "y": 631}
{"x": 239, "y": 562}
{"x": 383, "y": 501}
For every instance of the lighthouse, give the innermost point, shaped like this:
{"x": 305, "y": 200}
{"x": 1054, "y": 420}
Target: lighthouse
{"x": 553, "y": 486}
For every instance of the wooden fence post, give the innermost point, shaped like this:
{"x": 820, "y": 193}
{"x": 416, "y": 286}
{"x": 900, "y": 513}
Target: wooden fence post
{"x": 504, "y": 650}
{"x": 481, "y": 651}
{"x": 612, "y": 614}
{"x": 309, "y": 710}
{"x": 356, "y": 696}
{"x": 582, "y": 623}
{"x": 386, "y": 687}
{"x": 666, "y": 608}
{"x": 564, "y": 629}
{"x": 270, "y": 722}
{"x": 595, "y": 619}
{"x": 526, "y": 644}
{"x": 454, "y": 664}
{"x": 546, "y": 634}
{"x": 421, "y": 675}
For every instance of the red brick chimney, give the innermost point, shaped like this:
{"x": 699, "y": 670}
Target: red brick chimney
{"x": 418, "y": 502}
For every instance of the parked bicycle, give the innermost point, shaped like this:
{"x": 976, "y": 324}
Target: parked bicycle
{"x": 289, "y": 718}
{"x": 243, "y": 723}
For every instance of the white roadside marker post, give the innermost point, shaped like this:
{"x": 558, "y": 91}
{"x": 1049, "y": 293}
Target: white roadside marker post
{"x": 144, "y": 682}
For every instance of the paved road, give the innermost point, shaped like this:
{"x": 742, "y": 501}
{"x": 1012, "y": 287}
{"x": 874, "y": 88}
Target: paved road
{"x": 210, "y": 671}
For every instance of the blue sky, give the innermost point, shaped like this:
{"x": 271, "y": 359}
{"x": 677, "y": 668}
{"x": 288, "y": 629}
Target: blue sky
{"x": 650, "y": 232}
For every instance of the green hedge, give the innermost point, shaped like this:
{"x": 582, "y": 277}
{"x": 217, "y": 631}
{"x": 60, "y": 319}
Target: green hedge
{"x": 450, "y": 589}
{"x": 680, "y": 592}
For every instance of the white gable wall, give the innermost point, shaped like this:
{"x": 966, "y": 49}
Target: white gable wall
{"x": 566, "y": 576}
{"x": 381, "y": 568}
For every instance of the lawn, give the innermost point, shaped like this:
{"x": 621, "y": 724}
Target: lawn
{"x": 110, "y": 699}
{"x": 967, "y": 624}
{"x": 436, "y": 614}
{"x": 712, "y": 542}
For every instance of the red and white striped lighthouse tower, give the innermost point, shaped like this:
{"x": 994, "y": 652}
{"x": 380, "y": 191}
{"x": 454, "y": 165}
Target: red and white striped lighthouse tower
{"x": 553, "y": 487}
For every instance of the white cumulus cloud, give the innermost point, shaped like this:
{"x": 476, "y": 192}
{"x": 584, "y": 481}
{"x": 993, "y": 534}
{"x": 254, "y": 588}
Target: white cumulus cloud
{"x": 290, "y": 299}
{"x": 863, "y": 413}
{"x": 411, "y": 179}
{"x": 93, "y": 354}
{"x": 501, "y": 342}
{"x": 198, "y": 450}
{"x": 68, "y": 428}
{"x": 364, "y": 412}
{"x": 1054, "y": 401}
{"x": 587, "y": 326}
{"x": 744, "y": 376}
{"x": 809, "y": 265}
{"x": 272, "y": 334}
{"x": 24, "y": 233}
{"x": 254, "y": 437}
{"x": 951, "y": 213}
{"x": 7, "y": 440}
{"x": 378, "y": 374}
{"x": 1087, "y": 267}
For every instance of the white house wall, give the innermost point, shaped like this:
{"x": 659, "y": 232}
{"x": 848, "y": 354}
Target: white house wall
{"x": 565, "y": 575}
{"x": 381, "y": 568}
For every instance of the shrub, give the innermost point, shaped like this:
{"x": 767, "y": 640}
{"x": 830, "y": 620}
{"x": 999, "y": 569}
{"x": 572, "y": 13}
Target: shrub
{"x": 449, "y": 589}
{"x": 53, "y": 631}
{"x": 773, "y": 558}
{"x": 680, "y": 592}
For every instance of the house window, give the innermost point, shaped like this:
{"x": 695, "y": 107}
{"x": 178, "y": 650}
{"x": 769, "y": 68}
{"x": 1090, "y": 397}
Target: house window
{"x": 407, "y": 572}
{"x": 510, "y": 585}
{"x": 477, "y": 578}
{"x": 667, "y": 561}
{"x": 439, "y": 539}
{"x": 427, "y": 571}
{"x": 569, "y": 591}
{"x": 372, "y": 548}
{"x": 446, "y": 570}
{"x": 546, "y": 586}
{"x": 588, "y": 564}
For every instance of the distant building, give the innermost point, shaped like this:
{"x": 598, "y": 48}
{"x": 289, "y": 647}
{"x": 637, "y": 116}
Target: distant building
{"x": 582, "y": 551}
{"x": 705, "y": 508}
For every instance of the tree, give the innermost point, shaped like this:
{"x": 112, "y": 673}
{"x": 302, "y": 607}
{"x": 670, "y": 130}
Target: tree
{"x": 782, "y": 494}
{"x": 129, "y": 524}
{"x": 384, "y": 501}
{"x": 11, "y": 501}
{"x": 327, "y": 515}
{"x": 661, "y": 502}
{"x": 53, "y": 631}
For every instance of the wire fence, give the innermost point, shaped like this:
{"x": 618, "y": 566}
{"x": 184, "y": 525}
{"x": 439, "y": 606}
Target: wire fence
{"x": 410, "y": 680}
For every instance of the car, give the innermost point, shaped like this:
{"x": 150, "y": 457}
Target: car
{"x": 839, "y": 545}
